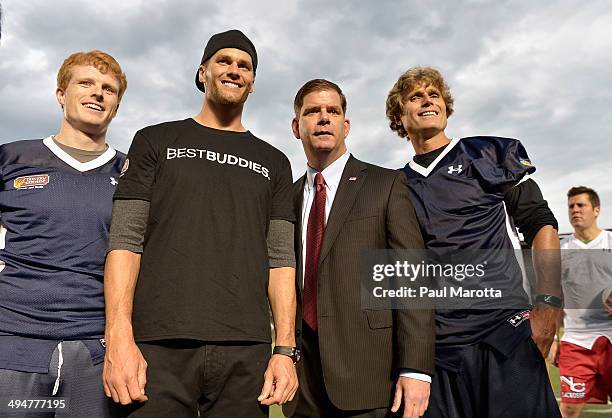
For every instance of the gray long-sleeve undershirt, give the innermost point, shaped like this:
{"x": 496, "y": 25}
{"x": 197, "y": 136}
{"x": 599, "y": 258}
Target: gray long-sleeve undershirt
{"x": 129, "y": 224}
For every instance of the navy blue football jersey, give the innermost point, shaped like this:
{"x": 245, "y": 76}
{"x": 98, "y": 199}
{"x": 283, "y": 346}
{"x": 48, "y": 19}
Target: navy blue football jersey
{"x": 55, "y": 215}
{"x": 459, "y": 202}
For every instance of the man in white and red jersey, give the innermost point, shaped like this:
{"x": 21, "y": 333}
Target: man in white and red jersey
{"x": 585, "y": 351}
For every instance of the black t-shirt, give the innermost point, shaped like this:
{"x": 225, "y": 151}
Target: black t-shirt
{"x": 204, "y": 268}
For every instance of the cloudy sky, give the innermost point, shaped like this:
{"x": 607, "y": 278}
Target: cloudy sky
{"x": 537, "y": 71}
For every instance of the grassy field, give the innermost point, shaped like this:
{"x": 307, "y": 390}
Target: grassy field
{"x": 590, "y": 411}
{"x": 275, "y": 412}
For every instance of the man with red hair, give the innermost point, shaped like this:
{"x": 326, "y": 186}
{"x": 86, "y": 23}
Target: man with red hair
{"x": 55, "y": 209}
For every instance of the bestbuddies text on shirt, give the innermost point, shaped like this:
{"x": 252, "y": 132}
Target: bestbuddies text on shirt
{"x": 218, "y": 157}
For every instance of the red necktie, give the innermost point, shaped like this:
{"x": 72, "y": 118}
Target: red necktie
{"x": 314, "y": 238}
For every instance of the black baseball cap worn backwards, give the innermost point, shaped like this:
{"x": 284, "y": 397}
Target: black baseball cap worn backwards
{"x": 230, "y": 39}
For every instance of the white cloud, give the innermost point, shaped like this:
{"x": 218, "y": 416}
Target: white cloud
{"x": 535, "y": 71}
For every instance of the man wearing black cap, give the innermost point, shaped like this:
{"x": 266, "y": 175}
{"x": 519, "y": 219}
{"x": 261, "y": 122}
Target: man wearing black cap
{"x": 201, "y": 245}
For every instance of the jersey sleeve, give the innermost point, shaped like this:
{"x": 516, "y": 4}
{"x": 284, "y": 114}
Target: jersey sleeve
{"x": 504, "y": 165}
{"x": 138, "y": 173}
{"x": 2, "y": 164}
{"x": 527, "y": 207}
{"x": 282, "y": 207}
{"x": 565, "y": 243}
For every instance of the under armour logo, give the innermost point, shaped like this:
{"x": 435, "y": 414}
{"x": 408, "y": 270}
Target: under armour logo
{"x": 452, "y": 169}
{"x": 514, "y": 320}
{"x": 574, "y": 387}
{"x": 519, "y": 318}
{"x": 113, "y": 181}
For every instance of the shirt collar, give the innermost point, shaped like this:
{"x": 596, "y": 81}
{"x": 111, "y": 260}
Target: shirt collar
{"x": 332, "y": 173}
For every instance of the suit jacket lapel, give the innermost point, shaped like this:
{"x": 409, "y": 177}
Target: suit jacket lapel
{"x": 298, "y": 201}
{"x": 351, "y": 182}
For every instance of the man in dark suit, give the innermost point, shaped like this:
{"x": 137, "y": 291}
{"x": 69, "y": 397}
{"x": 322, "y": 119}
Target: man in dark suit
{"x": 356, "y": 362}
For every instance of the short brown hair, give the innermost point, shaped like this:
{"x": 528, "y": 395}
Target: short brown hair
{"x": 410, "y": 80}
{"x": 593, "y": 196}
{"x": 102, "y": 61}
{"x": 318, "y": 84}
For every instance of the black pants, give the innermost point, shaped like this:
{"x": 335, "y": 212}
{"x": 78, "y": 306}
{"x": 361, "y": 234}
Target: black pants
{"x": 217, "y": 380}
{"x": 490, "y": 385}
{"x": 313, "y": 401}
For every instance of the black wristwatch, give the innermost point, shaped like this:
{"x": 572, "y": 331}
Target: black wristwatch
{"x": 292, "y": 352}
{"x": 549, "y": 300}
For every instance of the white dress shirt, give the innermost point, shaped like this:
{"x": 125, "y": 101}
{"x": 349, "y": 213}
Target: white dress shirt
{"x": 331, "y": 176}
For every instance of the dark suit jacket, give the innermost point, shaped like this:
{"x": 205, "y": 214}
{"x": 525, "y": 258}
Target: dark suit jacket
{"x": 363, "y": 350}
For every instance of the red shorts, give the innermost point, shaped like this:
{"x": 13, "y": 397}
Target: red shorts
{"x": 586, "y": 375}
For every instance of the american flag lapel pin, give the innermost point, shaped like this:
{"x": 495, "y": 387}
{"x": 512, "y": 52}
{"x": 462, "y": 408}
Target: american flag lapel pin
{"x": 352, "y": 178}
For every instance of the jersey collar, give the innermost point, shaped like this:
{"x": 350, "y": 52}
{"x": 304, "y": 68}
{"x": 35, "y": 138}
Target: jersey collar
{"x": 594, "y": 243}
{"x": 99, "y": 161}
{"x": 427, "y": 171}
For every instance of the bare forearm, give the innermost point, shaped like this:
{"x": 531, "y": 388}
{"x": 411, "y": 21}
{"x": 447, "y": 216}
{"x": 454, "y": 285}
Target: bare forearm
{"x": 281, "y": 293}
{"x": 544, "y": 318}
{"x": 547, "y": 262}
{"x": 280, "y": 378}
{"x": 120, "y": 276}
{"x": 125, "y": 369}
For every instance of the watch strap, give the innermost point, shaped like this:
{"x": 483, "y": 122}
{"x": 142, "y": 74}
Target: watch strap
{"x": 288, "y": 351}
{"x": 549, "y": 300}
